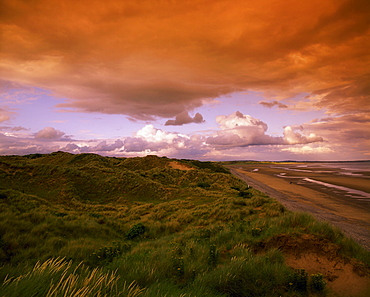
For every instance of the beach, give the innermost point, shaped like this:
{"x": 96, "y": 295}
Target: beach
{"x": 338, "y": 193}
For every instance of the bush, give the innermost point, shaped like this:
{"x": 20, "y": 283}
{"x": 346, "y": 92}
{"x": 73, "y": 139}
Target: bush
{"x": 107, "y": 254}
{"x": 213, "y": 256}
{"x": 299, "y": 280}
{"x": 203, "y": 185}
{"x": 136, "y": 231}
{"x": 317, "y": 283}
{"x": 245, "y": 194}
{"x": 256, "y": 232}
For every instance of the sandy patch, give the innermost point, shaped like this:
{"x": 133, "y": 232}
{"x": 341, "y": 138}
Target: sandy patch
{"x": 344, "y": 277}
{"x": 177, "y": 165}
{"x": 341, "y": 278}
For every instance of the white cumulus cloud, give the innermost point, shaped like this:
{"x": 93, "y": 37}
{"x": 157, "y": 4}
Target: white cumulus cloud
{"x": 292, "y": 137}
{"x": 153, "y": 139}
{"x": 239, "y": 130}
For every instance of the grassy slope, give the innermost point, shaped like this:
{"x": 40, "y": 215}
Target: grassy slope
{"x": 138, "y": 221}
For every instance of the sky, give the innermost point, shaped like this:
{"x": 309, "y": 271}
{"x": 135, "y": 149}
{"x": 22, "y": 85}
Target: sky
{"x": 208, "y": 79}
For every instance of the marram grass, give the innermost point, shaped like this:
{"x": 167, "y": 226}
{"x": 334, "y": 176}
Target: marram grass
{"x": 86, "y": 225}
{"x": 57, "y": 278}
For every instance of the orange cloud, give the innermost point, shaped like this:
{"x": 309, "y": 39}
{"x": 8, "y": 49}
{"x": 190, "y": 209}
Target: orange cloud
{"x": 148, "y": 59}
{"x": 273, "y": 103}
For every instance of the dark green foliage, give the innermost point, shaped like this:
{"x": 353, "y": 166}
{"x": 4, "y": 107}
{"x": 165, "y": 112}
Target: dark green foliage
{"x": 203, "y": 185}
{"x": 212, "y": 166}
{"x": 213, "y": 255}
{"x": 245, "y": 194}
{"x": 61, "y": 214}
{"x": 317, "y": 282}
{"x": 33, "y": 156}
{"x": 107, "y": 254}
{"x": 136, "y": 231}
{"x": 256, "y": 232}
{"x": 3, "y": 196}
{"x": 179, "y": 267}
{"x": 299, "y": 280}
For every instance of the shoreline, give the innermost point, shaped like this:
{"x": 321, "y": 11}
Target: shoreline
{"x": 350, "y": 216}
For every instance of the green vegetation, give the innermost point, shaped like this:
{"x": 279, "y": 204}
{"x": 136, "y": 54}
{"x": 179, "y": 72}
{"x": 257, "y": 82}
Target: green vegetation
{"x": 86, "y": 225}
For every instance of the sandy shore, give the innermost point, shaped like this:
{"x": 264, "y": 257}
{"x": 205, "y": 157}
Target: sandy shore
{"x": 351, "y": 215}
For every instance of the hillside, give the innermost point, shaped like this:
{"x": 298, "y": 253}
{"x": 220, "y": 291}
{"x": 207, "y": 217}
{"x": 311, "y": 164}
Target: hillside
{"x": 89, "y": 225}
{"x": 60, "y": 177}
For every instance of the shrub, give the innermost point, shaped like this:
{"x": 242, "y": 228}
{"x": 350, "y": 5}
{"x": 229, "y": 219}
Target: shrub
{"x": 33, "y": 156}
{"x": 299, "y": 280}
{"x": 60, "y": 214}
{"x": 317, "y": 283}
{"x": 136, "y": 231}
{"x": 107, "y": 254}
{"x": 179, "y": 266}
{"x": 256, "y": 232}
{"x": 203, "y": 185}
{"x": 245, "y": 194}
{"x": 213, "y": 255}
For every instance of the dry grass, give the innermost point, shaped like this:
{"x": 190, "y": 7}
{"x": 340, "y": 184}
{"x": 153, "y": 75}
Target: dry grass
{"x": 66, "y": 280}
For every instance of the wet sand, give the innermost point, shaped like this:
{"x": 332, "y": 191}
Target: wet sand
{"x": 349, "y": 212}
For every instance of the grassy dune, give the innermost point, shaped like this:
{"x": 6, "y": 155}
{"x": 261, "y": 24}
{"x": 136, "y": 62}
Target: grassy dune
{"x": 86, "y": 225}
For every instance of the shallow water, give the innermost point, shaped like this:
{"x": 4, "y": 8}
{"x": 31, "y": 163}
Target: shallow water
{"x": 330, "y": 177}
{"x": 351, "y": 192}
{"x": 340, "y": 168}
